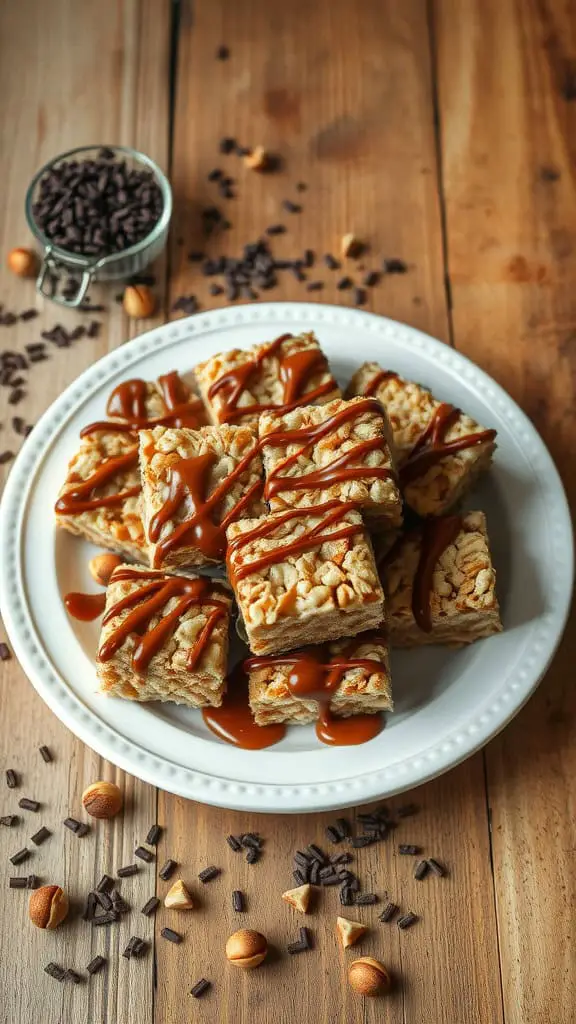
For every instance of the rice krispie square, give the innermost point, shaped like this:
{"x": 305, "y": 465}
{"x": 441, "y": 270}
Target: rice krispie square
{"x": 439, "y": 450}
{"x": 361, "y": 689}
{"x": 317, "y": 453}
{"x": 237, "y": 386}
{"x": 440, "y": 583}
{"x": 164, "y": 637}
{"x": 304, "y": 575}
{"x": 194, "y": 484}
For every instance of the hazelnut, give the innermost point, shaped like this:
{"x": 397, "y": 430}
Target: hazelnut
{"x": 257, "y": 159}
{"x": 298, "y": 898}
{"x": 139, "y": 302}
{"x": 23, "y": 262}
{"x": 349, "y": 931}
{"x": 102, "y": 799}
{"x": 102, "y": 566}
{"x": 351, "y": 247}
{"x": 246, "y": 948}
{"x": 368, "y": 977}
{"x": 178, "y": 897}
{"x": 48, "y": 906}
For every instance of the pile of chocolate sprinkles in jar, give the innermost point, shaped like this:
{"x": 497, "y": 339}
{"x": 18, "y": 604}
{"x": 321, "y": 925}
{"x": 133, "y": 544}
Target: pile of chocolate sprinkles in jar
{"x": 313, "y": 869}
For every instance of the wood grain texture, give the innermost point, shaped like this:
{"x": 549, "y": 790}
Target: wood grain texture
{"x": 507, "y": 99}
{"x": 92, "y": 74}
{"x": 347, "y": 102}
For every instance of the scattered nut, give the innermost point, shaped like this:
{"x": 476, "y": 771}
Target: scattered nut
{"x": 349, "y": 931}
{"x": 22, "y": 262}
{"x": 298, "y": 898}
{"x": 246, "y": 948}
{"x": 368, "y": 977}
{"x": 48, "y": 906}
{"x": 257, "y": 159}
{"x": 351, "y": 247}
{"x": 102, "y": 566}
{"x": 102, "y": 799}
{"x": 178, "y": 897}
{"x": 138, "y": 301}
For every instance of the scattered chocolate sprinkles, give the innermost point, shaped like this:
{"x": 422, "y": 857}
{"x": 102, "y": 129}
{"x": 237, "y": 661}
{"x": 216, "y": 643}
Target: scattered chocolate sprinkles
{"x": 365, "y": 899}
{"x": 407, "y": 921}
{"x": 17, "y": 882}
{"x": 143, "y": 854}
{"x": 108, "y": 918}
{"x": 11, "y": 778}
{"x": 343, "y": 283}
{"x": 29, "y": 805}
{"x": 234, "y": 844}
{"x": 135, "y": 947}
{"x": 76, "y": 826}
{"x": 171, "y": 935}
{"x": 371, "y": 278}
{"x": 73, "y": 976}
{"x": 45, "y": 754}
{"x": 331, "y": 262}
{"x": 40, "y": 836}
{"x": 167, "y": 869}
{"x": 96, "y": 964}
{"x": 390, "y": 911}
{"x": 333, "y": 834}
{"x": 395, "y": 266}
{"x": 9, "y": 820}
{"x": 105, "y": 883}
{"x": 55, "y": 971}
{"x": 407, "y": 850}
{"x": 343, "y": 827}
{"x": 29, "y": 314}
{"x": 151, "y": 906}
{"x": 127, "y": 871}
{"x": 209, "y": 873}
{"x": 238, "y": 901}
{"x": 153, "y": 835}
{"x": 104, "y": 900}
{"x": 21, "y": 856}
{"x": 436, "y": 867}
{"x": 200, "y": 988}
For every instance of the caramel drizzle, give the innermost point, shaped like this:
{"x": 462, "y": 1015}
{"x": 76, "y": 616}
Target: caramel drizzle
{"x": 336, "y": 471}
{"x": 432, "y": 446}
{"x": 148, "y": 601}
{"x": 295, "y": 369}
{"x": 233, "y": 721}
{"x": 128, "y": 403}
{"x": 433, "y": 537}
{"x": 316, "y": 676}
{"x": 313, "y": 538}
{"x": 85, "y": 607}
{"x": 382, "y": 377}
{"x": 189, "y": 478}
{"x": 80, "y": 498}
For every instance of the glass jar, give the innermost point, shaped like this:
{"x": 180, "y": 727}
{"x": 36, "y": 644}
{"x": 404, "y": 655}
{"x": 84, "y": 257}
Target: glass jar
{"x": 115, "y": 266}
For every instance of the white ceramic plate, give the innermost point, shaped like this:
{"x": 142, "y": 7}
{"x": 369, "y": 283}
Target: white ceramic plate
{"x": 448, "y": 703}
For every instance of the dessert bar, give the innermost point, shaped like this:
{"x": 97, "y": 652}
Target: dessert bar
{"x": 439, "y": 450}
{"x": 164, "y": 638}
{"x": 237, "y": 386}
{"x": 353, "y": 676}
{"x": 340, "y": 450}
{"x": 440, "y": 583}
{"x": 304, "y": 574}
{"x": 194, "y": 484}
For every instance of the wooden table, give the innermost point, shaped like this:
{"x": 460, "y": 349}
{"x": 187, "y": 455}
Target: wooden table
{"x": 445, "y": 134}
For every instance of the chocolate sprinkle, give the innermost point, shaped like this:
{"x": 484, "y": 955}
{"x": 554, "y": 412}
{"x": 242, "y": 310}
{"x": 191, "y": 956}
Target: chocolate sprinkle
{"x": 296, "y": 947}
{"x": 153, "y": 835}
{"x": 298, "y": 877}
{"x": 108, "y": 918}
{"x": 90, "y": 908}
{"x": 331, "y": 262}
{"x": 32, "y": 882}
{"x": 395, "y": 266}
{"x": 238, "y": 901}
{"x": 29, "y": 805}
{"x": 371, "y": 278}
{"x": 55, "y": 971}
{"x": 171, "y": 935}
{"x": 17, "y": 883}
{"x": 363, "y": 840}
{"x": 346, "y": 896}
{"x": 291, "y": 207}
{"x": 73, "y": 976}
{"x": 11, "y": 778}
{"x": 366, "y": 899}
{"x": 407, "y": 850}
{"x": 21, "y": 856}
{"x": 104, "y": 900}
{"x": 167, "y": 869}
{"x": 436, "y": 867}
{"x": 6, "y": 456}
{"x": 333, "y": 834}
{"x": 143, "y": 854}
{"x": 9, "y": 820}
{"x": 200, "y": 988}
{"x": 251, "y": 840}
{"x": 315, "y": 286}
{"x": 105, "y": 883}
{"x": 40, "y": 836}
{"x": 390, "y": 911}
{"x": 343, "y": 825}
{"x": 359, "y": 297}
{"x": 343, "y": 283}
{"x": 96, "y": 964}
{"x": 227, "y": 145}
{"x": 252, "y": 856}
{"x": 306, "y": 938}
{"x": 209, "y": 873}
{"x": 72, "y": 824}
{"x": 421, "y": 870}
{"x": 45, "y": 754}
{"x": 407, "y": 811}
{"x": 407, "y": 921}
{"x": 151, "y": 906}
{"x": 276, "y": 229}
{"x": 234, "y": 844}
{"x": 127, "y": 871}
{"x": 316, "y": 853}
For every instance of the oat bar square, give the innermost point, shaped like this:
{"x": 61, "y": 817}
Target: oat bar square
{"x": 439, "y": 450}
{"x": 194, "y": 484}
{"x": 440, "y": 583}
{"x": 304, "y": 575}
{"x": 164, "y": 637}
{"x": 361, "y": 689}
{"x": 237, "y": 386}
{"x": 340, "y": 450}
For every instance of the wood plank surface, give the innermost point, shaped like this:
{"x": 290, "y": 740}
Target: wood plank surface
{"x": 69, "y": 76}
{"x": 507, "y": 101}
{"x": 347, "y": 103}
